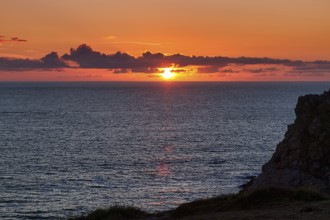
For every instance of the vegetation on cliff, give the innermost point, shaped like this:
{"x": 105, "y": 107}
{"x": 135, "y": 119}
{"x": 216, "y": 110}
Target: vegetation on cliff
{"x": 253, "y": 204}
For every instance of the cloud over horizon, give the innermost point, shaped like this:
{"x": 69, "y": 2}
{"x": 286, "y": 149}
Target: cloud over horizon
{"x": 84, "y": 57}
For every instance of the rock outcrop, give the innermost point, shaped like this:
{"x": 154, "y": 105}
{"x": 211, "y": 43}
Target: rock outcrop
{"x": 303, "y": 157}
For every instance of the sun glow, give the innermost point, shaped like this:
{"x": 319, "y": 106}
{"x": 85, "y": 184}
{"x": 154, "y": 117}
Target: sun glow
{"x": 168, "y": 74}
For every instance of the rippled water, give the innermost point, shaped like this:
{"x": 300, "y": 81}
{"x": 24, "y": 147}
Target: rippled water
{"x": 68, "y": 148}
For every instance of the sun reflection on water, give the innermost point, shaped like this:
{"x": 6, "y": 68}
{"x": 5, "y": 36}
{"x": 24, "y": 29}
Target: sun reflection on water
{"x": 163, "y": 170}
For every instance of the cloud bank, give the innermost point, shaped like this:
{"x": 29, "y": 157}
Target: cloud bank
{"x": 84, "y": 57}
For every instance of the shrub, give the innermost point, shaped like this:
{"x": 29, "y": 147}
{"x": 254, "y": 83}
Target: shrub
{"x": 114, "y": 213}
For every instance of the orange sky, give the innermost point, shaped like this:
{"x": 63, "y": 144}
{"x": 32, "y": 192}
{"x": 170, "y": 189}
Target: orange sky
{"x": 295, "y": 29}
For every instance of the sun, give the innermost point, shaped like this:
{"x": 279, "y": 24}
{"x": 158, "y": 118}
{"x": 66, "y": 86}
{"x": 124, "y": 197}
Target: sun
{"x": 167, "y": 74}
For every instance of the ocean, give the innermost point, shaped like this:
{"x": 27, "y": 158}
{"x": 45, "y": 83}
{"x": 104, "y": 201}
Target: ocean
{"x": 69, "y": 148}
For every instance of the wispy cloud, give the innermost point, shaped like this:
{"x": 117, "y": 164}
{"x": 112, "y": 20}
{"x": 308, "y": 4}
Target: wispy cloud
{"x": 11, "y": 39}
{"x": 110, "y": 37}
{"x": 16, "y": 39}
{"x": 136, "y": 42}
{"x": 111, "y": 40}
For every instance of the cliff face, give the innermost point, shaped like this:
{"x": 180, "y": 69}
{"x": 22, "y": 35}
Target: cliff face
{"x": 303, "y": 157}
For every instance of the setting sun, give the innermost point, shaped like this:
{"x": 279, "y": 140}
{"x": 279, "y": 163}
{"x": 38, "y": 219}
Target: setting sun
{"x": 167, "y": 74}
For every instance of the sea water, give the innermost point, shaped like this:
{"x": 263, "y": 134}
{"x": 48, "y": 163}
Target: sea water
{"x": 69, "y": 148}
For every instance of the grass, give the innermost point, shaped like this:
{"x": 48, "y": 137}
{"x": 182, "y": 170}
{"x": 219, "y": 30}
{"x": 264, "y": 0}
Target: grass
{"x": 258, "y": 199}
{"x": 308, "y": 195}
{"x": 248, "y": 200}
{"x": 114, "y": 213}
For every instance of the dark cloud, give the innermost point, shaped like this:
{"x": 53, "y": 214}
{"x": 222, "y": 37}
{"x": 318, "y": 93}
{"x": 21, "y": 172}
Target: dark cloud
{"x": 304, "y": 74}
{"x": 144, "y": 70}
{"x": 11, "y": 39}
{"x": 50, "y": 61}
{"x": 183, "y": 70}
{"x": 226, "y": 70}
{"x": 314, "y": 66}
{"x": 16, "y": 39}
{"x": 120, "y": 63}
{"x": 208, "y": 69}
{"x": 262, "y": 70}
{"x": 86, "y": 57}
{"x": 19, "y": 64}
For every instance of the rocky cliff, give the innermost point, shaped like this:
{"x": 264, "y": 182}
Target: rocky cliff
{"x": 303, "y": 157}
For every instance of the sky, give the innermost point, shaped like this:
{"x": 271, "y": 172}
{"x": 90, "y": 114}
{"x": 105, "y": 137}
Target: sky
{"x": 293, "y": 35}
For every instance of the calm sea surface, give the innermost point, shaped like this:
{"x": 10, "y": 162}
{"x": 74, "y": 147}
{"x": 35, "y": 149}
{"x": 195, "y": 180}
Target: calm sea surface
{"x": 69, "y": 148}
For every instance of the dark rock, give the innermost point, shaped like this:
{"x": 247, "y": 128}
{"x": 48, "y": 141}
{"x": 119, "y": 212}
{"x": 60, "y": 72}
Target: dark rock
{"x": 248, "y": 183}
{"x": 303, "y": 157}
